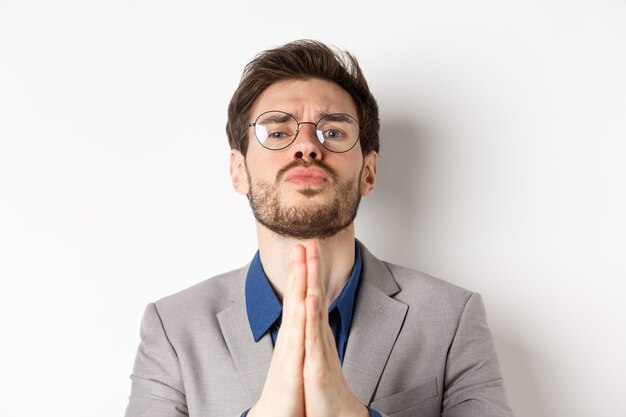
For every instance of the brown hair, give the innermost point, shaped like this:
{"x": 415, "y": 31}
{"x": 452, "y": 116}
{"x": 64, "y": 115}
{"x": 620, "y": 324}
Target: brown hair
{"x": 302, "y": 59}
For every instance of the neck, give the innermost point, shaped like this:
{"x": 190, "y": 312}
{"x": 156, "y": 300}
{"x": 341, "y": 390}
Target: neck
{"x": 336, "y": 259}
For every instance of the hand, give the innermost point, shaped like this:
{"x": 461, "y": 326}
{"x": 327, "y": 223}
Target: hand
{"x": 305, "y": 376}
{"x": 283, "y": 392}
{"x": 326, "y": 392}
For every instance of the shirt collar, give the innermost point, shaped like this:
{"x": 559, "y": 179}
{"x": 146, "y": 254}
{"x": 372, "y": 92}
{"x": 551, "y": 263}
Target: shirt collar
{"x": 345, "y": 301}
{"x": 262, "y": 305}
{"x": 264, "y": 309}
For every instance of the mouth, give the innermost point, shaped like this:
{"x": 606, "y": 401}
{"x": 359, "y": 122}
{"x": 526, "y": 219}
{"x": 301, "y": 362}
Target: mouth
{"x": 306, "y": 176}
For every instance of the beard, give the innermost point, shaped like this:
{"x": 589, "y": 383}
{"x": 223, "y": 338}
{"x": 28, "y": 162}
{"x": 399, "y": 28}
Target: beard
{"x": 308, "y": 221}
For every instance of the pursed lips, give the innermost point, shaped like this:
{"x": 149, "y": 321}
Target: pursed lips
{"x": 306, "y": 176}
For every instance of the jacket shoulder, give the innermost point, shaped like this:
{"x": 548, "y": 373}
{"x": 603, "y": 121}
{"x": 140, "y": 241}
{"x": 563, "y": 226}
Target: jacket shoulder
{"x": 207, "y": 297}
{"x": 416, "y": 285}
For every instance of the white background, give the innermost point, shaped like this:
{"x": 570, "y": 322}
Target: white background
{"x": 501, "y": 170}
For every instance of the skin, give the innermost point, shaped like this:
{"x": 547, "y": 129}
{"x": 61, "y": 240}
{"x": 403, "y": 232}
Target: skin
{"x": 305, "y": 376}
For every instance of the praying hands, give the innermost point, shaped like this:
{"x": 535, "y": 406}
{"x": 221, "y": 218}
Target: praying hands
{"x": 305, "y": 376}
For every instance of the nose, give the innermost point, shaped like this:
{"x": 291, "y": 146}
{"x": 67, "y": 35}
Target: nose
{"x": 306, "y": 145}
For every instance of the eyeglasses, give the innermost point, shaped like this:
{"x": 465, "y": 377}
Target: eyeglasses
{"x": 275, "y": 130}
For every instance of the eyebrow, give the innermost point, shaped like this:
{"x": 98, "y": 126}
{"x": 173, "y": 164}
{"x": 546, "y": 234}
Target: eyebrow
{"x": 319, "y": 116}
{"x": 276, "y": 119}
{"x": 338, "y": 117}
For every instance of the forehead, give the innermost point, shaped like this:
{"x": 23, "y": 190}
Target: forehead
{"x": 305, "y": 98}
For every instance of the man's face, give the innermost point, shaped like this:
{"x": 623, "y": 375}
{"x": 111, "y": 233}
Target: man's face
{"x": 303, "y": 191}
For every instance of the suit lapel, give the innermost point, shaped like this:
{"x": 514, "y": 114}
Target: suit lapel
{"x": 376, "y": 323}
{"x": 251, "y": 359}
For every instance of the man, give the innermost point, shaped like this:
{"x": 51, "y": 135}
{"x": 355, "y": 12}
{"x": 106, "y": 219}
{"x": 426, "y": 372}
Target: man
{"x": 315, "y": 325}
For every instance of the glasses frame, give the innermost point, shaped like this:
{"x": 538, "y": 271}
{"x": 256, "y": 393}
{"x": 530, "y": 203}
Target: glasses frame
{"x": 253, "y": 124}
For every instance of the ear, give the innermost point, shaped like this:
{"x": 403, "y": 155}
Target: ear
{"x": 368, "y": 173}
{"x": 238, "y": 173}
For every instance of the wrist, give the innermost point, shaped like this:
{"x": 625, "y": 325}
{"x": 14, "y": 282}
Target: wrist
{"x": 362, "y": 411}
{"x": 357, "y": 410}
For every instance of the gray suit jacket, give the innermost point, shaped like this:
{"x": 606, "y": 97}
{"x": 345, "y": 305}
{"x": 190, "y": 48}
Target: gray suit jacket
{"x": 418, "y": 347}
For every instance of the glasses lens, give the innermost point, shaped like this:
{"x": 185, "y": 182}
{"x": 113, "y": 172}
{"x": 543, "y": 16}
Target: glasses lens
{"x": 338, "y": 132}
{"x": 275, "y": 129}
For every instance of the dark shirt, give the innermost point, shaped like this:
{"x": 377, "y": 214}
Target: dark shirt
{"x": 265, "y": 310}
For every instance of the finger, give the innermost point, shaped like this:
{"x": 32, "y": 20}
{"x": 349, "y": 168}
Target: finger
{"x": 293, "y": 298}
{"x": 315, "y": 287}
{"x": 290, "y": 340}
{"x": 315, "y": 284}
{"x": 314, "y": 346}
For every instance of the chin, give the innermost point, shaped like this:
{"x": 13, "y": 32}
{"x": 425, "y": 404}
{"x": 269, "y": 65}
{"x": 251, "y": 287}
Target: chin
{"x": 310, "y": 192}
{"x": 306, "y": 194}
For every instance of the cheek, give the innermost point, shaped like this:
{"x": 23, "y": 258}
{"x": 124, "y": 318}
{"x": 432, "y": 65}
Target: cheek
{"x": 351, "y": 167}
{"x": 262, "y": 167}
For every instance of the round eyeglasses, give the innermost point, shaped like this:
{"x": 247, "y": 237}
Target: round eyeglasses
{"x": 275, "y": 130}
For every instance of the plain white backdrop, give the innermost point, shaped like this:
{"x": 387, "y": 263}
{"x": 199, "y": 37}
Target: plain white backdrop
{"x": 501, "y": 170}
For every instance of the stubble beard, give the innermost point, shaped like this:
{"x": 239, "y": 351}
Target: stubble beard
{"x": 309, "y": 221}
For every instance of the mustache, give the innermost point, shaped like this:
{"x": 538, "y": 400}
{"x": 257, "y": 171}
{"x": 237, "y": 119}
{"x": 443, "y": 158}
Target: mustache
{"x": 304, "y": 164}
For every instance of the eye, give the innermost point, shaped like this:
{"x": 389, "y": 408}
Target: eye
{"x": 333, "y": 134}
{"x": 279, "y": 131}
{"x": 278, "y": 135}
